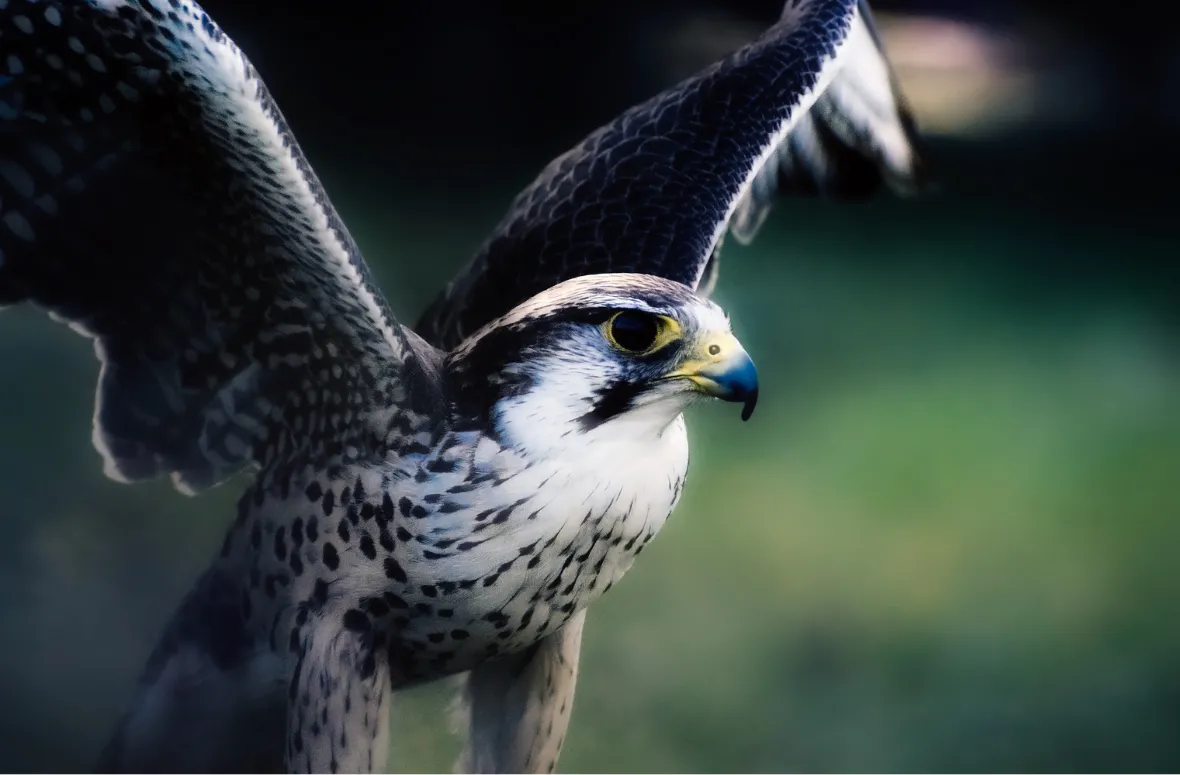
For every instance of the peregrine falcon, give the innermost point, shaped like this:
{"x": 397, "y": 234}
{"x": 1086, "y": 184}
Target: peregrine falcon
{"x": 424, "y": 502}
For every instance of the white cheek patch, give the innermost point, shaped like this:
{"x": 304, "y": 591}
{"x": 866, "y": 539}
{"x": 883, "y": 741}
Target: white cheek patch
{"x": 543, "y": 419}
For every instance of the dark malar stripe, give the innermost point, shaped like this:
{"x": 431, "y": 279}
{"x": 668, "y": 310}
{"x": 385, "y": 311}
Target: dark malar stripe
{"x": 611, "y": 402}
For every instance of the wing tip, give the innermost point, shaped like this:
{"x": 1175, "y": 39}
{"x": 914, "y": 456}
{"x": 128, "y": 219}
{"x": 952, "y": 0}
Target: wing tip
{"x": 126, "y": 457}
{"x": 917, "y": 178}
{"x": 134, "y": 464}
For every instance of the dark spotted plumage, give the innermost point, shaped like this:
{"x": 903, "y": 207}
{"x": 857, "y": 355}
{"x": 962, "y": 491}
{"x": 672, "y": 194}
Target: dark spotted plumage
{"x": 415, "y": 512}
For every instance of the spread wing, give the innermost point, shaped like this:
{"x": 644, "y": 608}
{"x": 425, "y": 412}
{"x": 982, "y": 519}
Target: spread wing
{"x": 859, "y": 135}
{"x": 152, "y": 196}
{"x": 810, "y": 107}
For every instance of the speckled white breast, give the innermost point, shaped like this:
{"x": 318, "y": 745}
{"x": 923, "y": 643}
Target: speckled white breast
{"x": 472, "y": 550}
{"x": 543, "y": 543}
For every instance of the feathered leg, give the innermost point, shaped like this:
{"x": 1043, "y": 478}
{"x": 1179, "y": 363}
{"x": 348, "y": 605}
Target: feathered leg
{"x": 338, "y": 714}
{"x": 518, "y": 707}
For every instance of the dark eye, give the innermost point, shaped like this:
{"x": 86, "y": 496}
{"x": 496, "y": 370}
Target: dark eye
{"x": 633, "y": 331}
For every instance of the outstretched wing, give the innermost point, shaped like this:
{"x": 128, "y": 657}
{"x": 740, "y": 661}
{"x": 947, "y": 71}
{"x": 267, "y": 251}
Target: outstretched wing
{"x": 654, "y": 190}
{"x": 152, "y": 196}
{"x": 859, "y": 135}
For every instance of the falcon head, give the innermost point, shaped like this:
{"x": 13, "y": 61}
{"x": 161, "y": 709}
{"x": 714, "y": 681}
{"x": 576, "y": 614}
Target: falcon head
{"x": 617, "y": 354}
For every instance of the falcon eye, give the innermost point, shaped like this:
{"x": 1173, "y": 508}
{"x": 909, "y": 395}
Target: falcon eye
{"x": 639, "y": 332}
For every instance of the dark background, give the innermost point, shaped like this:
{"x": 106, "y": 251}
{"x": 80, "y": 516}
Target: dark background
{"x": 947, "y": 541}
{"x": 463, "y": 78}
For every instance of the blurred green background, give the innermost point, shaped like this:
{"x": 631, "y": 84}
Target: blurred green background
{"x": 946, "y": 542}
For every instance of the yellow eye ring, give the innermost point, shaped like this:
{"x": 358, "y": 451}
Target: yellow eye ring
{"x": 639, "y": 333}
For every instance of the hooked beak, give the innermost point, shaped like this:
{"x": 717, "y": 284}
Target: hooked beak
{"x": 718, "y": 366}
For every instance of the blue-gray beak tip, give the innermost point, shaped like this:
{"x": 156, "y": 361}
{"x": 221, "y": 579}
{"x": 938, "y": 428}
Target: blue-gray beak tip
{"x": 740, "y": 383}
{"x": 748, "y": 406}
